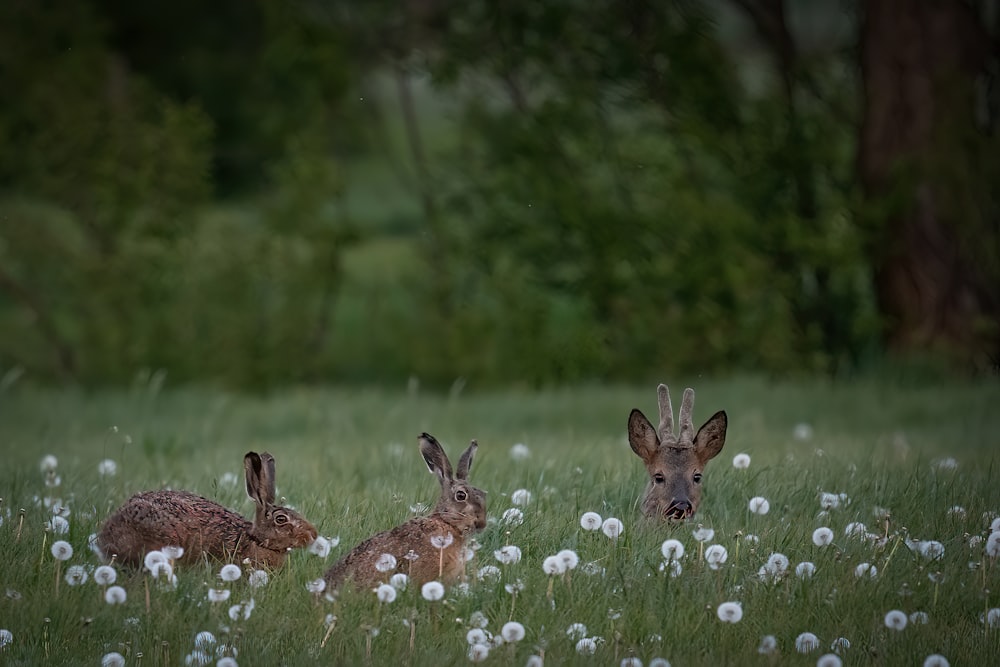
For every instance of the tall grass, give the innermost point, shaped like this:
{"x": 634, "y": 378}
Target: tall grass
{"x": 348, "y": 460}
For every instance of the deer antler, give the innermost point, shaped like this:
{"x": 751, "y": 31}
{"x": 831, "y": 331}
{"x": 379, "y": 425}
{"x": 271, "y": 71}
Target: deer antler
{"x": 686, "y": 438}
{"x": 666, "y": 428}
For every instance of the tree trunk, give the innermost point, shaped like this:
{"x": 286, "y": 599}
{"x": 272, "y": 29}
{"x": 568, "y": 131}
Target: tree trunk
{"x": 919, "y": 62}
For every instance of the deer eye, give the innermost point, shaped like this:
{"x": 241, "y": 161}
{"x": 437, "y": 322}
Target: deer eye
{"x": 280, "y": 519}
{"x": 697, "y": 478}
{"x": 461, "y": 495}
{"x": 659, "y": 478}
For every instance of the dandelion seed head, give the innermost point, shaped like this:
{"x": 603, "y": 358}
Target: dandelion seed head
{"x": 919, "y": 618}
{"x": 895, "y": 620}
{"x": 673, "y": 566}
{"x": 476, "y": 636}
{"x": 945, "y": 464}
{"x": 829, "y": 501}
{"x": 569, "y": 558}
{"x": 198, "y": 658}
{"x": 112, "y": 659}
{"x": 768, "y": 645}
{"x": 759, "y": 505}
{"x": 385, "y": 563}
{"x": 61, "y": 550}
{"x": 672, "y": 549}
{"x": 442, "y": 541}
{"x": 992, "y": 617}
{"x": 477, "y": 619}
{"x": 716, "y": 554}
{"x": 6, "y": 637}
{"x": 741, "y": 461}
{"x": 153, "y": 557}
{"x": 105, "y": 575}
{"x": 512, "y": 631}
{"x": 76, "y": 575}
{"x": 822, "y": 537}
{"x": 805, "y": 570}
{"x": 479, "y": 652}
{"x": 385, "y": 593}
{"x": 107, "y": 468}
{"x": 936, "y": 660}
{"x": 320, "y": 547}
{"x": 864, "y": 569}
{"x": 576, "y": 631}
{"x": 729, "y": 612}
{"x": 591, "y": 521}
{"x": 703, "y": 534}
{"x": 553, "y": 565}
{"x": 534, "y": 661}
{"x": 316, "y": 585}
{"x": 115, "y": 595}
{"x": 48, "y": 463}
{"x": 777, "y": 563}
{"x": 612, "y": 527}
{"x": 227, "y": 661}
{"x": 512, "y": 517}
{"x": 931, "y": 549}
{"x": 840, "y": 644}
{"x": 586, "y": 646}
{"x": 519, "y": 452}
{"x": 58, "y": 525}
{"x": 230, "y": 572}
{"x": 806, "y": 642}
{"x": 204, "y": 640}
{"x": 218, "y": 594}
{"x": 508, "y": 554}
{"x": 432, "y": 591}
{"x": 855, "y": 529}
{"x": 514, "y": 587}
{"x": 829, "y": 660}
{"x": 399, "y": 581}
{"x": 802, "y": 431}
{"x": 520, "y": 497}
{"x": 993, "y": 544}
{"x": 258, "y": 578}
{"x": 630, "y": 661}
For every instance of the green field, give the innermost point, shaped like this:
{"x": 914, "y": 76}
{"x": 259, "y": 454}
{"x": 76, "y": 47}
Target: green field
{"x": 348, "y": 460}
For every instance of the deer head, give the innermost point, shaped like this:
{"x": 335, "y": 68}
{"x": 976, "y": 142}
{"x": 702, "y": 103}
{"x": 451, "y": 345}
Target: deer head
{"x": 675, "y": 462}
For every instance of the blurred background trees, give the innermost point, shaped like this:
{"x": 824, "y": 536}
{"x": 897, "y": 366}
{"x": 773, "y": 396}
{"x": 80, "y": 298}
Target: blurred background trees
{"x": 521, "y": 192}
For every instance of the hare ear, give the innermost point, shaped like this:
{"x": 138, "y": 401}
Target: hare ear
{"x": 711, "y": 437}
{"x": 642, "y": 436}
{"x": 267, "y": 478}
{"x": 254, "y": 467}
{"x": 437, "y": 461}
{"x": 465, "y": 462}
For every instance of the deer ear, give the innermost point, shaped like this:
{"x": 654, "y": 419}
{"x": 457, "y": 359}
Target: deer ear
{"x": 642, "y": 436}
{"x": 711, "y": 437}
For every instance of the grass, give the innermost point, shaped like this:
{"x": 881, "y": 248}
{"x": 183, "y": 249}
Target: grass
{"x": 347, "y": 458}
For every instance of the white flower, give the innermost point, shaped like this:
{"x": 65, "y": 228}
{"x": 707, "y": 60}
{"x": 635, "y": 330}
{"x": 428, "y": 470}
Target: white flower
{"x": 975, "y": 541}
{"x": 153, "y": 557}
{"x": 316, "y": 585}
{"x": 442, "y": 541}
{"x": 478, "y": 652}
{"x": 866, "y": 568}
{"x": 320, "y": 546}
{"x": 553, "y": 565}
{"x": 936, "y": 660}
{"x": 385, "y": 563}
{"x": 829, "y": 501}
{"x": 536, "y": 661}
{"x": 829, "y": 660}
{"x": 163, "y": 571}
{"x": 519, "y": 451}
{"x": 741, "y": 461}
{"x": 591, "y": 521}
{"x": 946, "y": 463}
{"x": 703, "y": 534}
{"x": 802, "y": 431}
{"x": 895, "y": 620}
{"x": 227, "y": 661}
{"x": 992, "y": 617}
{"x": 672, "y": 549}
{"x": 840, "y": 644}
{"x": 91, "y": 544}
{"x": 258, "y": 578}
{"x": 919, "y": 618}
{"x": 385, "y": 593}
{"x": 806, "y": 642}
{"x": 115, "y": 595}
{"x": 993, "y": 544}
{"x": 822, "y": 537}
{"x": 476, "y": 636}
{"x": 777, "y": 563}
{"x": 995, "y": 524}
{"x": 768, "y": 645}
{"x": 659, "y": 662}
{"x": 576, "y": 631}
{"x": 62, "y": 550}
{"x": 759, "y": 505}
{"x": 488, "y": 573}
{"x": 477, "y": 619}
{"x": 631, "y": 661}
{"x": 512, "y": 631}
{"x": 716, "y": 555}
{"x": 113, "y": 659}
{"x": 855, "y": 529}
{"x": 512, "y": 517}
{"x": 105, "y": 575}
{"x": 931, "y": 549}
{"x": 956, "y": 511}
{"x": 399, "y": 581}
{"x": 58, "y": 525}
{"x": 230, "y": 572}
{"x": 204, "y": 640}
{"x": 586, "y": 646}
{"x": 107, "y": 468}
{"x": 593, "y": 568}
{"x": 76, "y": 575}
{"x": 730, "y": 612}
{"x": 674, "y": 566}
{"x": 432, "y": 590}
{"x": 172, "y": 552}
{"x": 751, "y": 539}
{"x": 508, "y": 554}
{"x": 569, "y": 558}
{"x": 612, "y": 527}
{"x": 49, "y": 463}
{"x": 197, "y": 658}
{"x": 218, "y": 594}
{"x": 805, "y": 570}
{"x": 521, "y": 497}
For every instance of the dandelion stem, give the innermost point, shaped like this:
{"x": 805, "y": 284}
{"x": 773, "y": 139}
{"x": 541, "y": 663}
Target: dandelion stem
{"x": 513, "y": 600}
{"x": 440, "y": 562}
{"x": 329, "y": 631}
{"x": 58, "y": 569}
{"x": 368, "y": 646}
{"x": 146, "y": 582}
{"x": 20, "y": 524}
{"x": 41, "y": 559}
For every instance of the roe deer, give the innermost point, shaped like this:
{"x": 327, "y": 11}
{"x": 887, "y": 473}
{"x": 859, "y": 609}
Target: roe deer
{"x": 675, "y": 462}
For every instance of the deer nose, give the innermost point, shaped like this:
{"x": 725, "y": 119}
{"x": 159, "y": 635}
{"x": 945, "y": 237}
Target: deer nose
{"x": 679, "y": 509}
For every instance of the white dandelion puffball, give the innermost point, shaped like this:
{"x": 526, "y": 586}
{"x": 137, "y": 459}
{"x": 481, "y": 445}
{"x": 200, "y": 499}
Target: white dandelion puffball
{"x": 612, "y": 527}
{"x": 759, "y": 505}
{"x": 716, "y": 555}
{"x": 399, "y": 581}
{"x": 672, "y": 549}
{"x": 512, "y": 517}
{"x": 802, "y": 431}
{"x": 115, "y": 595}
{"x": 49, "y": 463}
{"x": 777, "y": 563}
{"x": 659, "y": 662}
{"x": 198, "y": 658}
{"x": 730, "y": 612}
{"x": 840, "y": 644}
{"x": 919, "y": 618}
{"x": 521, "y": 497}
{"x": 673, "y": 566}
{"x": 172, "y": 552}
{"x": 586, "y": 646}
{"x": 218, "y": 594}
{"x": 489, "y": 573}
{"x": 107, "y": 468}
{"x": 76, "y": 575}
{"x": 514, "y": 587}
{"x": 855, "y": 529}
{"x": 432, "y": 591}
{"x": 829, "y": 501}
{"x": 385, "y": 593}
{"x": 58, "y": 525}
{"x": 805, "y": 570}
{"x": 741, "y": 461}
{"x": 895, "y": 620}
{"x": 519, "y": 452}
{"x": 105, "y": 575}
{"x": 947, "y": 463}
{"x": 553, "y": 565}
{"x": 822, "y": 537}
{"x": 227, "y": 661}
{"x": 993, "y": 544}
{"x": 931, "y": 549}
{"x": 152, "y": 558}
{"x": 230, "y": 572}
{"x": 569, "y": 558}
{"x": 994, "y": 524}
{"x": 320, "y": 546}
{"x": 508, "y": 554}
{"x": 768, "y": 645}
{"x": 385, "y": 563}
{"x": 576, "y": 631}
{"x": 478, "y": 652}
{"x": 535, "y": 661}
{"x": 204, "y": 640}
{"x": 630, "y": 661}
{"x": 113, "y": 659}
{"x": 829, "y": 660}
{"x": 703, "y": 534}
{"x": 258, "y": 578}
{"x": 476, "y": 636}
{"x": 477, "y": 619}
{"x": 956, "y": 512}
{"x": 866, "y": 569}
{"x": 806, "y": 642}
{"x": 442, "y": 541}
{"x": 316, "y": 585}
{"x": 992, "y": 617}
{"x": 163, "y": 570}
{"x": 936, "y": 660}
{"x": 512, "y": 631}
{"x": 62, "y": 550}
{"x": 6, "y": 637}
{"x": 591, "y": 521}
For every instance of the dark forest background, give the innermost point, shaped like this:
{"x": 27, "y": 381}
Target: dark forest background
{"x": 259, "y": 192}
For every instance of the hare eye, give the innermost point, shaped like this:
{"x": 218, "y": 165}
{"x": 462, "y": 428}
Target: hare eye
{"x": 461, "y": 496}
{"x": 280, "y": 519}
{"x": 659, "y": 478}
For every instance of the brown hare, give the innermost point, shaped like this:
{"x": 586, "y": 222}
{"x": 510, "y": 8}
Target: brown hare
{"x": 428, "y": 547}
{"x": 155, "y": 519}
{"x": 675, "y": 462}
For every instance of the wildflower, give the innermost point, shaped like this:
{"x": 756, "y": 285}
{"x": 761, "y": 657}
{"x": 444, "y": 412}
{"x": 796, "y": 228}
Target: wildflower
{"x": 881, "y": 513}
{"x": 741, "y": 461}
{"x": 385, "y": 563}
{"x": 931, "y": 549}
{"x": 519, "y": 451}
{"x": 855, "y": 529}
{"x": 49, "y": 463}
{"x": 316, "y": 585}
{"x": 703, "y": 534}
{"x": 115, "y": 595}
{"x": 553, "y": 565}
{"x": 586, "y": 646}
{"x": 576, "y": 631}
{"x": 866, "y": 568}
{"x": 840, "y": 644}
{"x": 829, "y": 501}
{"x": 521, "y": 497}
{"x": 320, "y": 546}
{"x": 6, "y": 637}
{"x": 477, "y": 619}
{"x": 673, "y": 566}
{"x": 777, "y": 563}
{"x": 399, "y": 581}
{"x": 751, "y": 539}
{"x": 62, "y": 550}
{"x": 993, "y": 544}
{"x": 227, "y": 661}
{"x": 768, "y": 645}
{"x": 822, "y": 537}
{"x": 956, "y": 511}
{"x": 385, "y": 593}
{"x": 107, "y": 468}
{"x": 569, "y": 558}
{"x": 153, "y": 557}
{"x": 258, "y": 578}
{"x": 659, "y": 662}
{"x": 612, "y": 527}
{"x": 829, "y": 660}
{"x": 76, "y": 575}
{"x": 476, "y": 636}
{"x": 591, "y": 521}
{"x": 488, "y": 573}
{"x": 806, "y": 642}
{"x": 946, "y": 463}
{"x": 672, "y": 550}
{"x": 93, "y": 546}
{"x": 512, "y": 517}
{"x": 165, "y": 571}
{"x": 508, "y": 554}
{"x": 895, "y": 620}
{"x": 992, "y": 617}
{"x": 802, "y": 431}
{"x": 204, "y": 640}
{"x": 631, "y": 661}
{"x": 995, "y": 525}
{"x": 442, "y": 541}
{"x": 218, "y": 594}
{"x": 244, "y": 609}
{"x": 535, "y": 661}
{"x": 172, "y": 552}
{"x": 230, "y": 572}
{"x": 113, "y": 659}
{"x": 512, "y": 631}
{"x": 975, "y": 541}
{"x": 729, "y": 612}
{"x": 478, "y": 652}
{"x": 759, "y": 505}
{"x": 58, "y": 525}
{"x": 805, "y": 570}
{"x": 919, "y": 618}
{"x": 592, "y": 568}
{"x": 432, "y": 590}
{"x": 198, "y": 658}
{"x": 716, "y": 555}
{"x": 105, "y": 575}
{"x": 514, "y": 587}
{"x": 936, "y": 660}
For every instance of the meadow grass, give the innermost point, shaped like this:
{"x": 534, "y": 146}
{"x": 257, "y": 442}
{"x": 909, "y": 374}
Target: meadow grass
{"x": 348, "y": 459}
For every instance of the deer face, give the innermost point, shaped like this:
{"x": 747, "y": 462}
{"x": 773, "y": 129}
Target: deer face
{"x": 675, "y": 463}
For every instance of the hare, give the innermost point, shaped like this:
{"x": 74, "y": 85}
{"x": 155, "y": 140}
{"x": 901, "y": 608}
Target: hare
{"x": 425, "y": 548}
{"x": 675, "y": 462}
{"x": 155, "y": 519}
